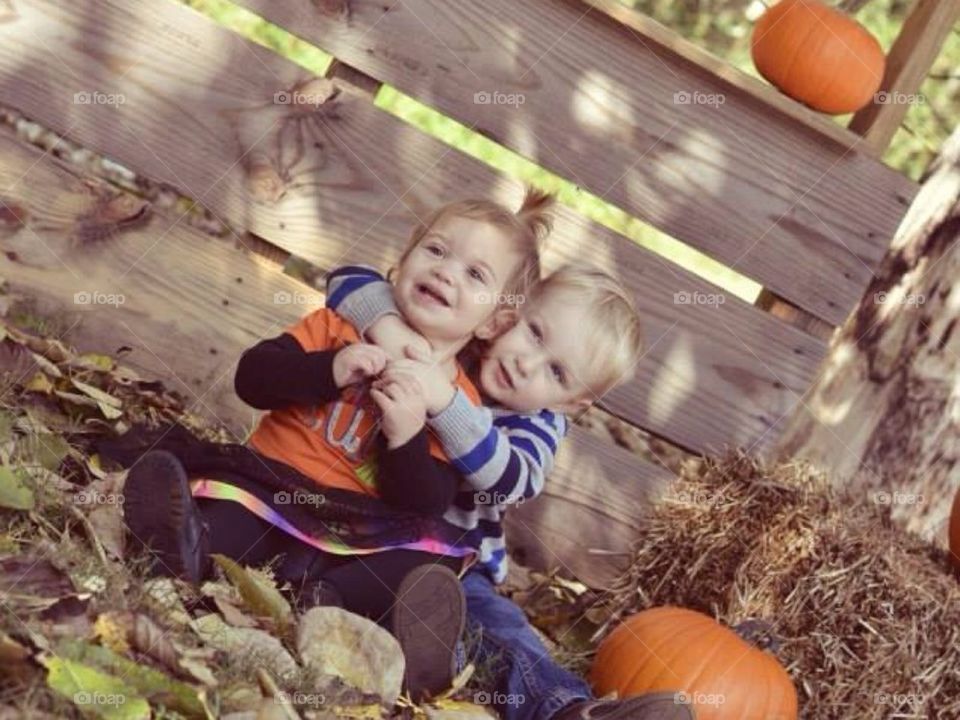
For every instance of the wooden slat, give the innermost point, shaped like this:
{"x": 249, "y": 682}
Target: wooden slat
{"x": 927, "y": 26}
{"x": 192, "y": 304}
{"x": 355, "y": 181}
{"x": 745, "y": 184}
{"x": 584, "y": 524}
{"x": 650, "y": 30}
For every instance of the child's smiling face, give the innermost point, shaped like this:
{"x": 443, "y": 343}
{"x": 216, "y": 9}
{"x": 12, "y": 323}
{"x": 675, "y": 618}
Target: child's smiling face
{"x": 446, "y": 285}
{"x": 541, "y": 362}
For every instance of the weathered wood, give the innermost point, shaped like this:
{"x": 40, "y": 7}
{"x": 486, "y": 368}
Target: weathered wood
{"x": 346, "y": 182}
{"x": 884, "y": 416}
{"x": 590, "y": 515}
{"x": 745, "y": 185}
{"x": 649, "y": 30}
{"x": 191, "y": 304}
{"x": 926, "y": 28}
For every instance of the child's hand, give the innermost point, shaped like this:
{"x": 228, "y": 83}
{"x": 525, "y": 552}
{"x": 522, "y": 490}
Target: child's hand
{"x": 357, "y": 362}
{"x": 404, "y": 411}
{"x": 438, "y": 391}
{"x": 397, "y": 338}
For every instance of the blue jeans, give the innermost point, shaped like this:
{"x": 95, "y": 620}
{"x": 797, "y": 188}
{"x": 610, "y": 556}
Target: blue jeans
{"x": 529, "y": 685}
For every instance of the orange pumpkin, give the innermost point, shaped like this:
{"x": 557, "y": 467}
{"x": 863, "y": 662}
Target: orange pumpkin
{"x": 719, "y": 674}
{"x": 955, "y": 531}
{"x": 818, "y": 55}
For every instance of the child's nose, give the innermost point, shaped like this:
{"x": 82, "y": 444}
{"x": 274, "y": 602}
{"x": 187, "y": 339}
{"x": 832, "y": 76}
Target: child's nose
{"x": 442, "y": 273}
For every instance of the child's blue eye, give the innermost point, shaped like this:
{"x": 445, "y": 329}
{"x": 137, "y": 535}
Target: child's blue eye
{"x": 476, "y": 274}
{"x": 435, "y": 250}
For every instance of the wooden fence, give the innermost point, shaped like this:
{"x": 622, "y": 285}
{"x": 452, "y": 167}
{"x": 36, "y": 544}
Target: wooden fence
{"x": 608, "y": 100}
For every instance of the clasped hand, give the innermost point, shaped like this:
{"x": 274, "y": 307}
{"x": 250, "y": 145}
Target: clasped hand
{"x": 406, "y": 390}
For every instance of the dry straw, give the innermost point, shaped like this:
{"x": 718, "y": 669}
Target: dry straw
{"x": 866, "y": 616}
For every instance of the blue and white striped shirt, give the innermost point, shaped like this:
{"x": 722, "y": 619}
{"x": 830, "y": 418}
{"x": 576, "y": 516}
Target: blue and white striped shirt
{"x": 504, "y": 456}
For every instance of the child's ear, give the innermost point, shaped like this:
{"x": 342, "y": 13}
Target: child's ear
{"x": 502, "y": 320}
{"x": 576, "y": 407}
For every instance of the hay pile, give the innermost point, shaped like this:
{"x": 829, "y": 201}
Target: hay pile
{"x": 867, "y": 616}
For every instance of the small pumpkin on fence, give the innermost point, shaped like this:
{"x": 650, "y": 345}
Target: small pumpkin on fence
{"x": 722, "y": 676}
{"x": 955, "y": 531}
{"x": 818, "y": 55}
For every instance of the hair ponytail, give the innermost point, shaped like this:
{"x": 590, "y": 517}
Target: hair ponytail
{"x": 534, "y": 212}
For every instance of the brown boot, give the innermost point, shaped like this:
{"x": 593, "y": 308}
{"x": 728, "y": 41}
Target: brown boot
{"x": 428, "y": 619}
{"x": 651, "y": 706}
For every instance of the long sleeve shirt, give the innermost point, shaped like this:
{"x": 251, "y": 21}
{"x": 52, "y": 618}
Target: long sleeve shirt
{"x": 504, "y": 456}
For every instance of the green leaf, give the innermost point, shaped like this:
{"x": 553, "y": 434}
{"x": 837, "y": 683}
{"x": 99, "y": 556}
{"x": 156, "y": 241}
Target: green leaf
{"x": 95, "y": 692}
{"x": 14, "y": 494}
{"x": 258, "y": 592}
{"x": 44, "y": 449}
{"x": 142, "y": 680}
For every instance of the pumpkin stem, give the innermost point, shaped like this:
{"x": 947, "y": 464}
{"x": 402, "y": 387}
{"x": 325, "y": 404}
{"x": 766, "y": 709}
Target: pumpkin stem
{"x": 851, "y": 7}
{"x": 758, "y": 633}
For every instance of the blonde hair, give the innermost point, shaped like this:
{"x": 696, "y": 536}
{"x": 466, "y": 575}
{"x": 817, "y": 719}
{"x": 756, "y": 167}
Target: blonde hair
{"x": 613, "y": 333}
{"x": 527, "y": 228}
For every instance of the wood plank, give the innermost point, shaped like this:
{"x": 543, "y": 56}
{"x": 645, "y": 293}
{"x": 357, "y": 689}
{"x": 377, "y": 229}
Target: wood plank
{"x": 747, "y": 186}
{"x": 650, "y": 30}
{"x": 926, "y": 28}
{"x": 355, "y": 179}
{"x": 584, "y": 524}
{"x": 192, "y": 304}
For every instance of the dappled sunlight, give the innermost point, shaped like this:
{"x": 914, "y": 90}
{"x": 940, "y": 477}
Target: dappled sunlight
{"x": 674, "y": 382}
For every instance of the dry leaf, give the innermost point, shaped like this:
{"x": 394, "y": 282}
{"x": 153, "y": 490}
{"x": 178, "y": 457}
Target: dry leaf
{"x": 353, "y": 648}
{"x": 249, "y": 643}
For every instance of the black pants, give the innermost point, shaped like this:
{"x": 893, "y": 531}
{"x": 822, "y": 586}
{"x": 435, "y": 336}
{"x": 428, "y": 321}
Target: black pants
{"x": 368, "y": 584}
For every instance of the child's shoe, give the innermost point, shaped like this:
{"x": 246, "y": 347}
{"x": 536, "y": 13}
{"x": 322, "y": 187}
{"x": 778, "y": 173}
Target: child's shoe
{"x": 428, "y": 619}
{"x": 163, "y": 517}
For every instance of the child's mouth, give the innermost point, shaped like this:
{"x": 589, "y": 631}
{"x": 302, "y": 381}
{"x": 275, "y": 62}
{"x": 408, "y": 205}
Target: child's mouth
{"x": 503, "y": 377}
{"x": 430, "y": 295}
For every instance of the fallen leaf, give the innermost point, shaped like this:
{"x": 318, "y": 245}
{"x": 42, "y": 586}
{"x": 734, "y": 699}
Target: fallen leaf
{"x": 457, "y": 710}
{"x": 93, "y": 361}
{"x": 14, "y": 493}
{"x": 252, "y": 644}
{"x": 112, "y": 629}
{"x": 97, "y": 394}
{"x": 145, "y": 681}
{"x": 46, "y": 450}
{"x": 108, "y": 525}
{"x": 364, "y": 655}
{"x": 39, "y": 383}
{"x": 162, "y": 598}
{"x": 259, "y": 593}
{"x": 95, "y": 692}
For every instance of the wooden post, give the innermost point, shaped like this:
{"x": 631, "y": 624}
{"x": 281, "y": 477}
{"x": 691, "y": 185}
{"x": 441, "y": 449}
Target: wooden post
{"x": 913, "y": 53}
{"x": 884, "y": 414}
